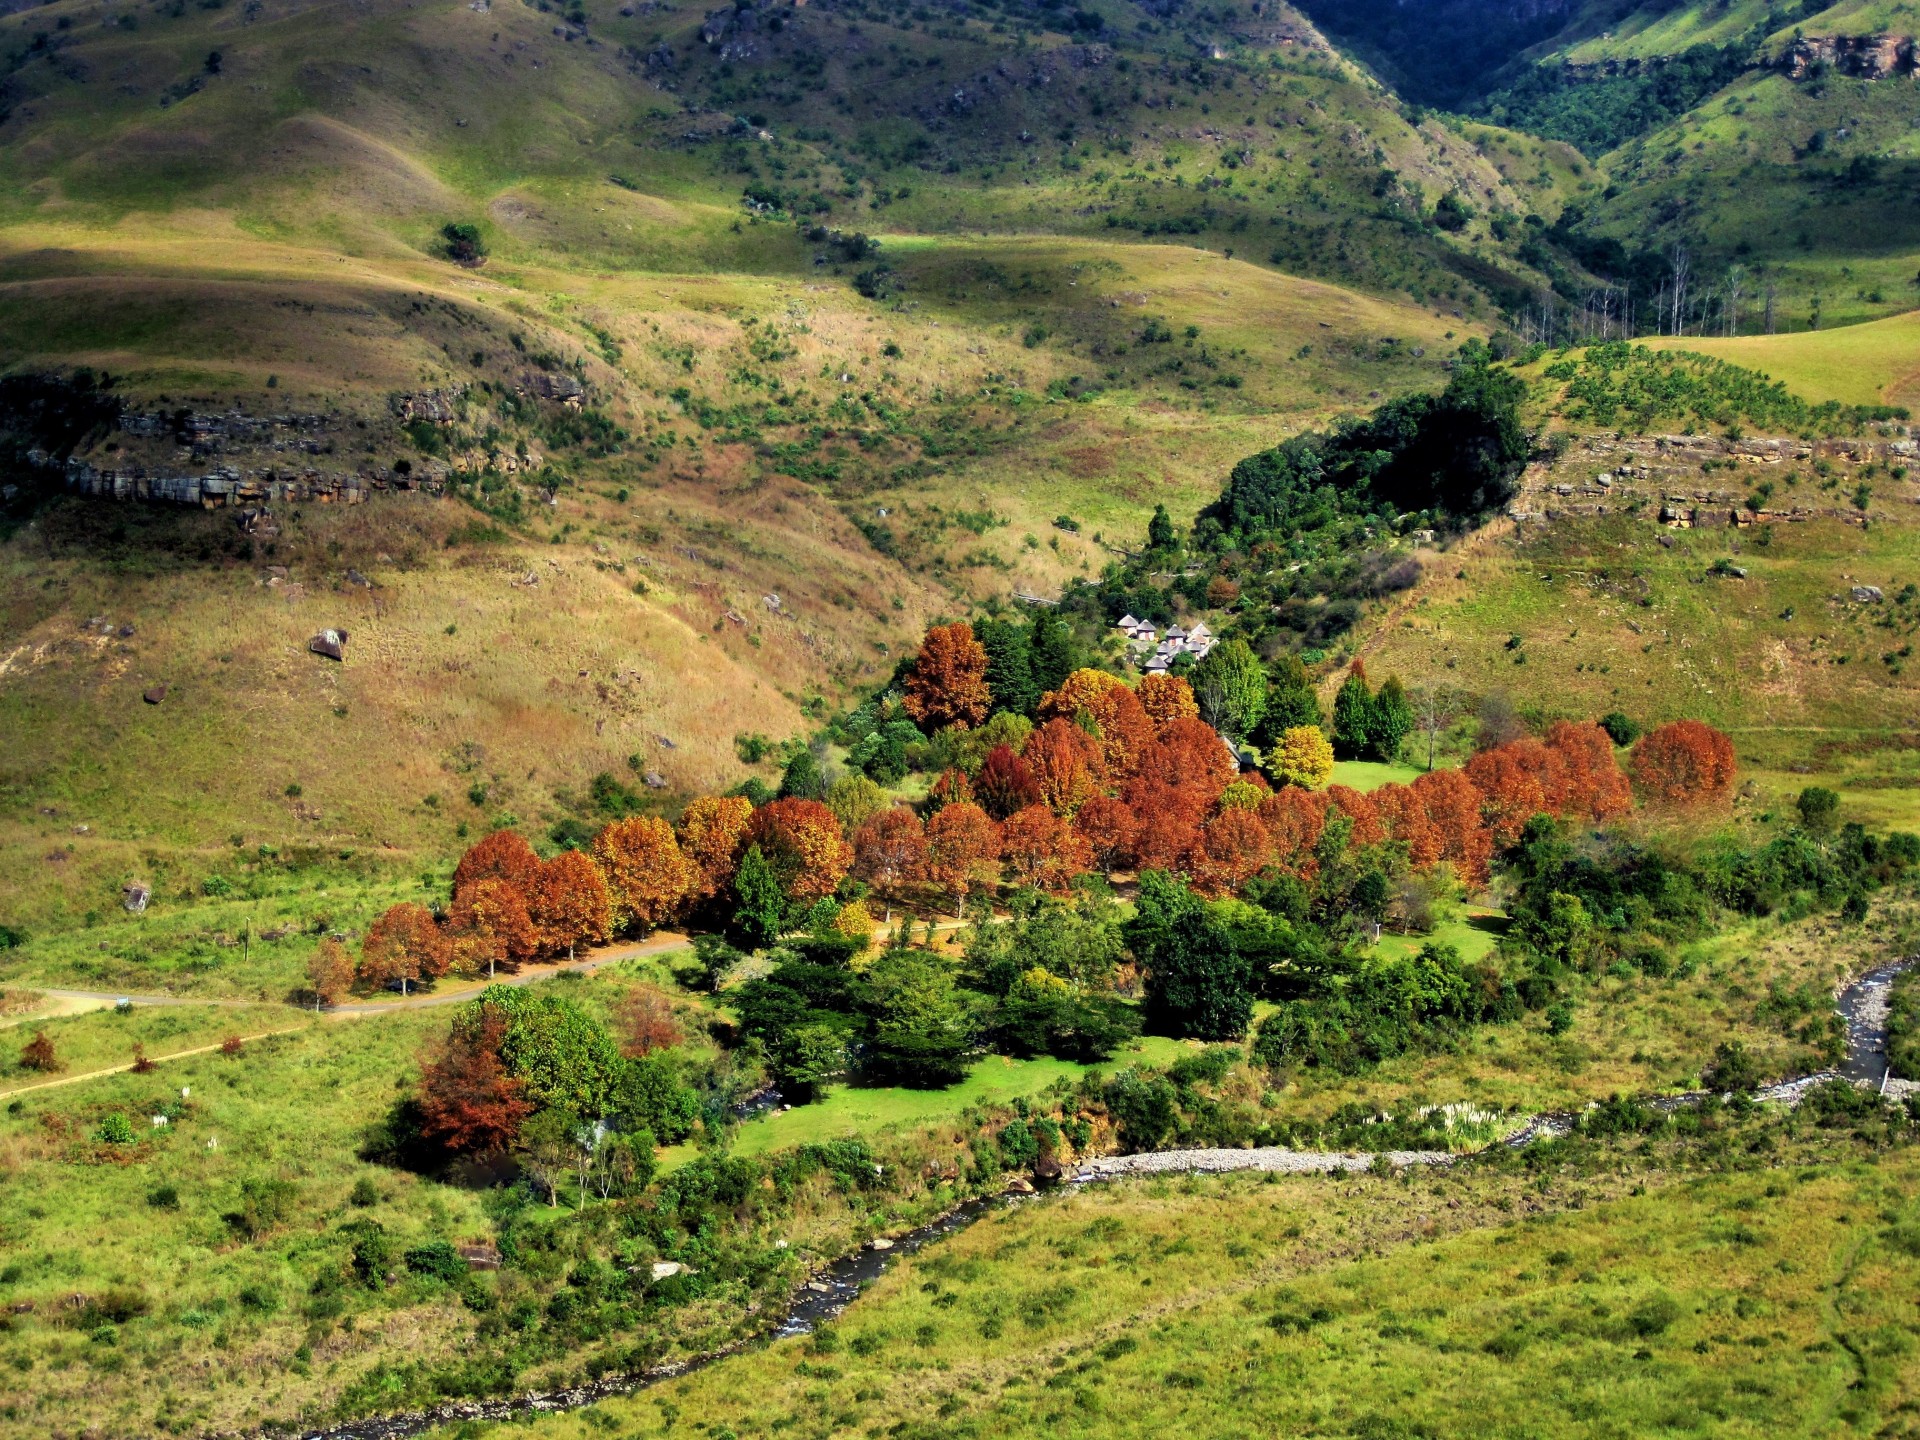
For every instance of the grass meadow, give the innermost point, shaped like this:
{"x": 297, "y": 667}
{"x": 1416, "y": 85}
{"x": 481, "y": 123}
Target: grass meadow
{"x": 1611, "y": 1302}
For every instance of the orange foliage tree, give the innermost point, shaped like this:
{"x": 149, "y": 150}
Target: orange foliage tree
{"x": 947, "y": 687}
{"x": 490, "y": 928}
{"x": 1360, "y": 809}
{"x": 503, "y": 855}
{"x": 1110, "y": 828}
{"x": 1042, "y": 850}
{"x": 1188, "y": 751}
{"x": 713, "y": 832}
{"x": 951, "y": 785}
{"x": 802, "y": 842}
{"x": 1006, "y": 782}
{"x": 1452, "y": 805}
{"x": 404, "y": 944}
{"x": 569, "y": 905}
{"x": 1113, "y": 709}
{"x": 647, "y": 875}
{"x": 1234, "y": 847}
{"x": 963, "y": 850}
{"x": 469, "y": 1104}
{"x": 1517, "y": 781}
{"x": 1066, "y": 762}
{"x": 1595, "y": 788}
{"x": 1684, "y": 763}
{"x": 1404, "y": 819}
{"x": 890, "y": 851}
{"x": 1166, "y": 698}
{"x": 1295, "y": 818}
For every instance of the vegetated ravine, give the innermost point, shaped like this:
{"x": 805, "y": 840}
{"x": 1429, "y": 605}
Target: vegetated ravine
{"x": 1863, "y": 1005}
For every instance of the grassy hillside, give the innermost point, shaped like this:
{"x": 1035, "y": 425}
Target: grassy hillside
{"x": 1439, "y": 1305}
{"x": 1871, "y": 364}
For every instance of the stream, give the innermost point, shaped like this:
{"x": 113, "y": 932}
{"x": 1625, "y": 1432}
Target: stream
{"x": 1863, "y": 1005}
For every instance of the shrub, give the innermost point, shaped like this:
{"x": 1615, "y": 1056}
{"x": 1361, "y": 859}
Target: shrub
{"x": 364, "y": 1193}
{"x": 265, "y": 1205}
{"x": 1653, "y": 1316}
{"x": 38, "y": 1054}
{"x": 115, "y": 1129}
{"x": 1819, "y": 807}
{"x": 437, "y": 1260}
{"x": 114, "y": 1306}
{"x": 164, "y": 1197}
{"x": 1621, "y": 729}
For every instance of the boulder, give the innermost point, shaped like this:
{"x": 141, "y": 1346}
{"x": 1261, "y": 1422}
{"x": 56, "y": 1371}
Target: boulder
{"x": 330, "y": 643}
{"x": 665, "y": 1269}
{"x": 1019, "y": 1185}
{"x": 880, "y": 1242}
{"x": 1868, "y": 594}
{"x": 154, "y": 694}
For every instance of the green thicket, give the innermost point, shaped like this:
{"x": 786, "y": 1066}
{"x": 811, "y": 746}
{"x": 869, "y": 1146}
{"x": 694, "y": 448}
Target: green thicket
{"x": 1598, "y": 112}
{"x": 1620, "y": 385}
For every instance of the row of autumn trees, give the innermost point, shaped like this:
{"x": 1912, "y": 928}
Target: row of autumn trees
{"x": 1102, "y": 777}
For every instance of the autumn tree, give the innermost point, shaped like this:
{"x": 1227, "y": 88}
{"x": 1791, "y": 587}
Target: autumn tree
{"x": 647, "y": 876}
{"x": 802, "y": 841}
{"x": 643, "y": 1021}
{"x": 949, "y": 786}
{"x": 469, "y": 1103}
{"x": 1404, "y": 819}
{"x": 713, "y": 831}
{"x": 1042, "y": 850}
{"x": 1110, "y": 828}
{"x": 1166, "y": 698}
{"x": 1101, "y": 704}
{"x": 329, "y": 972}
{"x": 1294, "y": 818}
{"x": 1006, "y": 782}
{"x": 1066, "y": 763}
{"x": 1169, "y": 816}
{"x": 1686, "y": 762}
{"x": 570, "y": 905}
{"x": 1517, "y": 781}
{"x": 947, "y": 685}
{"x": 1302, "y": 756}
{"x": 1189, "y": 751}
{"x": 1358, "y": 807}
{"x": 963, "y": 850}
{"x": 1595, "y": 788}
{"x": 490, "y": 929}
{"x": 1452, "y": 806}
{"x": 890, "y": 852}
{"x": 1234, "y": 847}
{"x": 503, "y": 855}
{"x": 404, "y": 944}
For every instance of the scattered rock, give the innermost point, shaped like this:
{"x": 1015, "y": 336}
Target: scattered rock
{"x": 1019, "y": 1185}
{"x": 154, "y": 694}
{"x": 134, "y": 897}
{"x": 354, "y": 577}
{"x": 655, "y": 780}
{"x": 479, "y": 1257}
{"x": 663, "y": 1269}
{"x": 880, "y": 1242}
{"x": 1868, "y": 594}
{"x": 330, "y": 643}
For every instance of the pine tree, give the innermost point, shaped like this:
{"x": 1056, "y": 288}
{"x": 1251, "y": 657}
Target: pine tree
{"x": 802, "y": 780}
{"x": 1160, "y": 531}
{"x": 1055, "y": 656}
{"x": 759, "y": 904}
{"x": 1009, "y": 648}
{"x": 1392, "y": 720}
{"x": 1353, "y": 710}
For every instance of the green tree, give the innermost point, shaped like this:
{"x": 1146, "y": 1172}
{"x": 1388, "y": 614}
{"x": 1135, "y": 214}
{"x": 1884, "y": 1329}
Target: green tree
{"x": 760, "y": 905}
{"x": 1819, "y": 808}
{"x": 1055, "y": 653}
{"x": 802, "y": 778}
{"x": 1160, "y": 532}
{"x": 1010, "y": 679}
{"x": 1392, "y": 721}
{"x": 564, "y": 1055}
{"x": 1291, "y": 702}
{"x": 922, "y": 1028}
{"x": 1231, "y": 686}
{"x": 1198, "y": 982}
{"x": 546, "y": 1149}
{"x": 1353, "y": 712}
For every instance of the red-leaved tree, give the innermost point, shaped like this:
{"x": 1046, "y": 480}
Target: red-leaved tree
{"x": 490, "y": 929}
{"x": 1595, "y": 788}
{"x": 947, "y": 687}
{"x": 469, "y": 1104}
{"x": 803, "y": 843}
{"x": 1453, "y": 813}
{"x": 503, "y": 855}
{"x": 1042, "y": 850}
{"x": 1685, "y": 763}
{"x": 1234, "y": 847}
{"x": 1006, "y": 783}
{"x": 890, "y": 852}
{"x": 569, "y": 905}
{"x": 647, "y": 875}
{"x": 404, "y": 944}
{"x": 1067, "y": 763}
{"x": 713, "y": 831}
{"x": 963, "y": 851}
{"x": 1110, "y": 828}
{"x": 1166, "y": 698}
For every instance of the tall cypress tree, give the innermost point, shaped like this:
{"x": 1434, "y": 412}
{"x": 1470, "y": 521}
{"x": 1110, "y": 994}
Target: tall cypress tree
{"x": 760, "y": 903}
{"x": 1353, "y": 710}
{"x": 1055, "y": 656}
{"x": 1392, "y": 720}
{"x": 1010, "y": 679}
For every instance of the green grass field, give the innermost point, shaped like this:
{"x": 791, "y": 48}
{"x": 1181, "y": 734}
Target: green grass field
{"x": 1615, "y": 1301}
